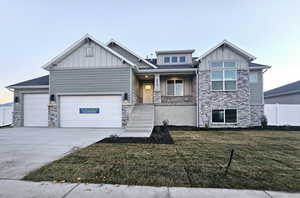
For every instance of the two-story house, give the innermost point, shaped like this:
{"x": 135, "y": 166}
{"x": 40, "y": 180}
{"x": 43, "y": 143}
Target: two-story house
{"x": 92, "y": 84}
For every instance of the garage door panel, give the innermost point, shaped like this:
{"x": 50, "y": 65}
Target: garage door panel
{"x": 109, "y": 111}
{"x": 36, "y": 110}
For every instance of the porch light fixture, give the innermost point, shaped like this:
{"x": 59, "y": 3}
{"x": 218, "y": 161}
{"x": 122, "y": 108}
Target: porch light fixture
{"x": 146, "y": 76}
{"x": 17, "y": 100}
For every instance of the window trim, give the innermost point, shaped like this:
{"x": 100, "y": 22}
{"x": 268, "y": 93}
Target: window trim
{"x": 167, "y": 57}
{"x": 182, "y": 57}
{"x": 174, "y": 79}
{"x": 223, "y": 72}
{"x": 172, "y": 59}
{"x": 224, "y": 110}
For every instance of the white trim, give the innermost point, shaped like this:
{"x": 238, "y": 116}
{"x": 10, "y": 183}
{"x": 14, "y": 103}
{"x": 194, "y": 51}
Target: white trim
{"x": 75, "y": 45}
{"x": 131, "y": 52}
{"x": 223, "y": 69}
{"x": 89, "y": 93}
{"x": 29, "y": 87}
{"x": 224, "y": 109}
{"x": 250, "y": 56}
{"x": 166, "y": 70}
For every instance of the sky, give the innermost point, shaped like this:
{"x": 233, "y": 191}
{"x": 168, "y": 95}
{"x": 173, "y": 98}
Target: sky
{"x": 33, "y": 32}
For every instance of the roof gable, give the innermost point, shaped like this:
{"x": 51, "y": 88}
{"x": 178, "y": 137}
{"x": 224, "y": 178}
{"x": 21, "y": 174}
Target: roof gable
{"x": 78, "y": 44}
{"x": 232, "y": 46}
{"x": 137, "y": 57}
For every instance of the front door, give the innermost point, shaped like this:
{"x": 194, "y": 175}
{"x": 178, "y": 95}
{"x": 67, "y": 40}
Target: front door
{"x": 147, "y": 93}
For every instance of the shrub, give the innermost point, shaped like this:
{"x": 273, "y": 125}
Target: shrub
{"x": 264, "y": 121}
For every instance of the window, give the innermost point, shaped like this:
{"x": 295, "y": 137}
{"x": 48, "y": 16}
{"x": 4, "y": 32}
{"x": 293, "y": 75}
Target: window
{"x": 89, "y": 52}
{"x": 223, "y": 76}
{"x": 182, "y": 59}
{"x": 174, "y": 59}
{"x": 253, "y": 77}
{"x": 224, "y": 116}
{"x": 175, "y": 87}
{"x": 166, "y": 59}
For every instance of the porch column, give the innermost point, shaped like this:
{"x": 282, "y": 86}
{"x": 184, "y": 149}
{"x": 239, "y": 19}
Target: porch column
{"x": 156, "y": 94}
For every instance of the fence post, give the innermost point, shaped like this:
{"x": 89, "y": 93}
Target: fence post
{"x": 277, "y": 114}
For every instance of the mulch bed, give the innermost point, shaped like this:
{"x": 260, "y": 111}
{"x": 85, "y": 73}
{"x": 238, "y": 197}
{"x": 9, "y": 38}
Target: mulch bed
{"x": 257, "y": 128}
{"x": 159, "y": 135}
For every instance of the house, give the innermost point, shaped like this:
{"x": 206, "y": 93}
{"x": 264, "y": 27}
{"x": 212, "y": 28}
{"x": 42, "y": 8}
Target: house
{"x": 287, "y": 94}
{"x": 92, "y": 84}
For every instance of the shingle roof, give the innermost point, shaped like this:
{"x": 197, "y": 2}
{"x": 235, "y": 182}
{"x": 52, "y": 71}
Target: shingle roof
{"x": 44, "y": 80}
{"x": 258, "y": 65}
{"x": 286, "y": 89}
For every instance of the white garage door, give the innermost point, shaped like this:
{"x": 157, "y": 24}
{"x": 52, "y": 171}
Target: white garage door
{"x": 36, "y": 110}
{"x": 90, "y": 111}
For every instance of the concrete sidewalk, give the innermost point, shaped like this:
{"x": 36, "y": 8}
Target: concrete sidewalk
{"x": 24, "y": 189}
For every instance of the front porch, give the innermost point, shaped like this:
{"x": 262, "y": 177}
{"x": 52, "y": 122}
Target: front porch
{"x": 169, "y": 89}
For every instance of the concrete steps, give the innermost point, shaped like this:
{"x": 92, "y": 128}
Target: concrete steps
{"x": 141, "y": 121}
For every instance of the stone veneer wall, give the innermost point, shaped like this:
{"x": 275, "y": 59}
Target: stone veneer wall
{"x": 52, "y": 116}
{"x": 257, "y": 111}
{"x": 239, "y": 99}
{"x": 126, "y": 110}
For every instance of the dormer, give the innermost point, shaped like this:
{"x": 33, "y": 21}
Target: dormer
{"x": 174, "y": 57}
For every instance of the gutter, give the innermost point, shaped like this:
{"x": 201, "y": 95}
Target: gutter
{"x": 28, "y": 87}
{"x": 166, "y": 70}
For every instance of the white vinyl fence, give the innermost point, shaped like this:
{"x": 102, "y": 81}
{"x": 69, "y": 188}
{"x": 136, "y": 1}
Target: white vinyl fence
{"x": 283, "y": 114}
{"x": 5, "y": 115}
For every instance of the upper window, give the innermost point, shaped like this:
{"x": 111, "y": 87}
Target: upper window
{"x": 253, "y": 78}
{"x": 166, "y": 59}
{"x": 174, "y": 59}
{"x": 175, "y": 87}
{"x": 182, "y": 59}
{"x": 223, "y": 76}
{"x": 89, "y": 52}
{"x": 224, "y": 116}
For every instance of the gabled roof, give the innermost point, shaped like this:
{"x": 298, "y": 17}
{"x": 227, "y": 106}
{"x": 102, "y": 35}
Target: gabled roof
{"x": 258, "y": 66}
{"x": 41, "y": 82}
{"x": 77, "y": 44}
{"x": 284, "y": 90}
{"x": 131, "y": 52}
{"x": 227, "y": 43}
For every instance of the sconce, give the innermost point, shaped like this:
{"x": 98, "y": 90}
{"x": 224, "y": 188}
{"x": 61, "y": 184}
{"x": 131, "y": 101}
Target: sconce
{"x": 17, "y": 100}
{"x": 52, "y": 98}
{"x": 125, "y": 97}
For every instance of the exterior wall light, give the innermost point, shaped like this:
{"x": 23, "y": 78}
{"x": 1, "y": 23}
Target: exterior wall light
{"x": 125, "y": 97}
{"x": 17, "y": 100}
{"x": 52, "y": 98}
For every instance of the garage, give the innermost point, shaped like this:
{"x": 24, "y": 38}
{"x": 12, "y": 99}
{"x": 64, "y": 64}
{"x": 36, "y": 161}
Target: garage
{"x": 91, "y": 111}
{"x": 36, "y": 110}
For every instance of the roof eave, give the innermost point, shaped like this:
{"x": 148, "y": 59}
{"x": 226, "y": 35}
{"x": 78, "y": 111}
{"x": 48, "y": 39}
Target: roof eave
{"x": 28, "y": 87}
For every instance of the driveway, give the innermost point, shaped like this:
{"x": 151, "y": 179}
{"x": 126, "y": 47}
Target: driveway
{"x": 25, "y": 149}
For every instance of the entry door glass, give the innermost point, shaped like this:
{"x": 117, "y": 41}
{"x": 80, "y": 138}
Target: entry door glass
{"x": 147, "y": 93}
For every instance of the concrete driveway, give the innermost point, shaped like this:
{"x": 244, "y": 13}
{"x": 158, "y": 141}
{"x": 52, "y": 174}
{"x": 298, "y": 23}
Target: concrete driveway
{"x": 25, "y": 149}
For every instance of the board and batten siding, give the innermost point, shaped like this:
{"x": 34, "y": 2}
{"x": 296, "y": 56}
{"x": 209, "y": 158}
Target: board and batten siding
{"x": 160, "y": 59}
{"x": 101, "y": 58}
{"x": 223, "y": 54}
{"x": 90, "y": 80}
{"x": 256, "y": 89}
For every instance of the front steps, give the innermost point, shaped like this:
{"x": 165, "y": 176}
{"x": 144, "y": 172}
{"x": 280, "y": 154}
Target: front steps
{"x": 141, "y": 121}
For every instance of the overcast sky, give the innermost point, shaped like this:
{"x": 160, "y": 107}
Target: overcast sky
{"x": 32, "y": 32}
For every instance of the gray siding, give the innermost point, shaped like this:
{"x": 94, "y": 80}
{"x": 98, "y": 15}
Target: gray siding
{"x": 101, "y": 58}
{"x": 256, "y": 89}
{"x": 90, "y": 80}
{"x": 187, "y": 83}
{"x": 18, "y": 115}
{"x": 160, "y": 59}
{"x": 185, "y": 115}
{"x": 284, "y": 99}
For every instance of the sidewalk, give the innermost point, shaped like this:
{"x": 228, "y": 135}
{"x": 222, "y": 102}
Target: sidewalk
{"x": 24, "y": 189}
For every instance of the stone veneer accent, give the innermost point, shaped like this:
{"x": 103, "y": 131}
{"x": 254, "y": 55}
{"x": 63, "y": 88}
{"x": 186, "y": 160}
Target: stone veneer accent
{"x": 257, "y": 111}
{"x": 239, "y": 100}
{"x": 52, "y": 116}
{"x": 17, "y": 115}
{"x": 126, "y": 111}
{"x": 178, "y": 100}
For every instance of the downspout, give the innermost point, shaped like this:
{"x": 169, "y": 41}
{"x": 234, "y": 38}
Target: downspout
{"x": 197, "y": 94}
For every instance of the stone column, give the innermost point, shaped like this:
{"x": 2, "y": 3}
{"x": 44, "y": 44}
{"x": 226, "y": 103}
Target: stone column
{"x": 52, "y": 115}
{"x": 156, "y": 94}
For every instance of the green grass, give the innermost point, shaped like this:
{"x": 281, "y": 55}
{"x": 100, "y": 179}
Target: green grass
{"x": 263, "y": 160}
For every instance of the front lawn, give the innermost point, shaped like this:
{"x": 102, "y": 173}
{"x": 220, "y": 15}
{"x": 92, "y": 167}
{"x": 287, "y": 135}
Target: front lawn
{"x": 262, "y": 160}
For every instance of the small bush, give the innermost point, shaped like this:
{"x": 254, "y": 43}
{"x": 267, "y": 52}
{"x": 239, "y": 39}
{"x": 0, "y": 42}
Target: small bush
{"x": 264, "y": 121}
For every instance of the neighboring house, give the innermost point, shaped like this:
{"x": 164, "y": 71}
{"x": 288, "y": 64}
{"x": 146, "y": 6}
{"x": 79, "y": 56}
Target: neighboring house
{"x": 287, "y": 94}
{"x": 96, "y": 85}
